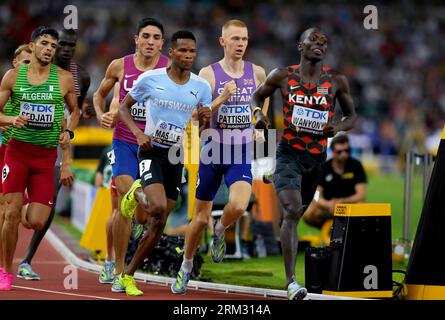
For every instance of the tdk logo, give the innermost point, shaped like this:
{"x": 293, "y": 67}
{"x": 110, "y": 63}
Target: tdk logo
{"x": 312, "y": 114}
{"x": 170, "y": 127}
{"x": 38, "y": 108}
{"x": 235, "y": 109}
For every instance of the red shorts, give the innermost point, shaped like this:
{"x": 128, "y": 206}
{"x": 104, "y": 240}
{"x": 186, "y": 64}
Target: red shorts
{"x": 30, "y": 167}
{"x": 113, "y": 189}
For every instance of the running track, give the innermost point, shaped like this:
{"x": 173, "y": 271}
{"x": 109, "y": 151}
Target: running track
{"x": 50, "y": 265}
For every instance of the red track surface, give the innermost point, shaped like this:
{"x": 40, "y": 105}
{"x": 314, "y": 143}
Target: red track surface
{"x": 49, "y": 264}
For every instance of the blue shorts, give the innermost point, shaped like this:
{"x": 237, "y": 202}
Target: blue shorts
{"x": 124, "y": 159}
{"x": 210, "y": 176}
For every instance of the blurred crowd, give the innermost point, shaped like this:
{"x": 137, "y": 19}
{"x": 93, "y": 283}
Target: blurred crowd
{"x": 396, "y": 73}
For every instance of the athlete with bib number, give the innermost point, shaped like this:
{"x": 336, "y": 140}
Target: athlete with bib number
{"x": 66, "y": 46}
{"x": 172, "y": 95}
{"x": 309, "y": 91}
{"x": 149, "y": 40}
{"x": 37, "y": 91}
{"x": 233, "y": 80}
{"x": 22, "y": 55}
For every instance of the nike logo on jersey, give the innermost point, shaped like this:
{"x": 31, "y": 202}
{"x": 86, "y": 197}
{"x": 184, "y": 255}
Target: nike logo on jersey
{"x": 160, "y": 88}
{"x": 223, "y": 82}
{"x": 24, "y": 89}
{"x": 294, "y": 87}
{"x": 129, "y": 76}
{"x": 244, "y": 176}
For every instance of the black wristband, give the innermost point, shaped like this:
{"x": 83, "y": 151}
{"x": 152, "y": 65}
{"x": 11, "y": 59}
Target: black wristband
{"x": 71, "y": 133}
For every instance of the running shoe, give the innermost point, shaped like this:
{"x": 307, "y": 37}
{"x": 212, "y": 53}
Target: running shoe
{"x": 218, "y": 247}
{"x": 129, "y": 202}
{"x": 117, "y": 284}
{"x": 107, "y": 275}
{"x": 6, "y": 281}
{"x": 180, "y": 285}
{"x": 295, "y": 291}
{"x": 25, "y": 272}
{"x": 130, "y": 285}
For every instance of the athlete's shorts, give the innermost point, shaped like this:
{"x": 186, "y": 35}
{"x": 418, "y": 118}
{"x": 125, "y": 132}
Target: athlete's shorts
{"x": 298, "y": 170}
{"x": 233, "y": 162}
{"x": 30, "y": 167}
{"x": 154, "y": 167}
{"x": 113, "y": 190}
{"x": 25, "y": 199}
{"x": 124, "y": 159}
{"x": 210, "y": 177}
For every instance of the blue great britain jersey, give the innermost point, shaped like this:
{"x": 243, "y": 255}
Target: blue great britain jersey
{"x": 169, "y": 105}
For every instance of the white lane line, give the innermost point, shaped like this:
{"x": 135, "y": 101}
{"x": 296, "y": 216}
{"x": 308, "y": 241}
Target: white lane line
{"x": 64, "y": 293}
{"x": 71, "y": 258}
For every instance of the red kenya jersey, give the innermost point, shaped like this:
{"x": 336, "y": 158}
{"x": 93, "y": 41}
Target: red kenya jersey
{"x": 308, "y": 107}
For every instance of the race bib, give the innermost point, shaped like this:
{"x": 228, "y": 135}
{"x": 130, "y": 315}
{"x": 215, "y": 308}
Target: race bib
{"x": 234, "y": 117}
{"x": 137, "y": 111}
{"x": 5, "y": 172}
{"x": 309, "y": 120}
{"x": 41, "y": 116}
{"x": 111, "y": 157}
{"x": 167, "y": 133}
{"x": 144, "y": 166}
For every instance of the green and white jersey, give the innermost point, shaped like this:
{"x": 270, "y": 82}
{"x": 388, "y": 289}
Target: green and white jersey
{"x": 43, "y": 104}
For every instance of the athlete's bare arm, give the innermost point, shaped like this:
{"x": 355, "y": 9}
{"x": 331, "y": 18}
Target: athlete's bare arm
{"x": 275, "y": 80}
{"x": 85, "y": 82}
{"x": 229, "y": 87}
{"x": 69, "y": 95}
{"x": 112, "y": 75}
{"x": 114, "y": 105}
{"x": 260, "y": 76}
{"x": 66, "y": 82}
{"x": 66, "y": 174}
{"x": 143, "y": 140}
{"x": 6, "y": 87}
{"x": 343, "y": 94}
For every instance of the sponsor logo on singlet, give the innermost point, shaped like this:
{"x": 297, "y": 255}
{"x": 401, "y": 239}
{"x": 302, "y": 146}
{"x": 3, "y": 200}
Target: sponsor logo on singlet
{"x": 167, "y": 133}
{"x": 310, "y": 120}
{"x": 234, "y": 117}
{"x": 137, "y": 111}
{"x": 41, "y": 116}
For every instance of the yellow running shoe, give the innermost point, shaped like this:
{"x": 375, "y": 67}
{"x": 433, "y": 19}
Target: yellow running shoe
{"x": 129, "y": 202}
{"x": 130, "y": 285}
